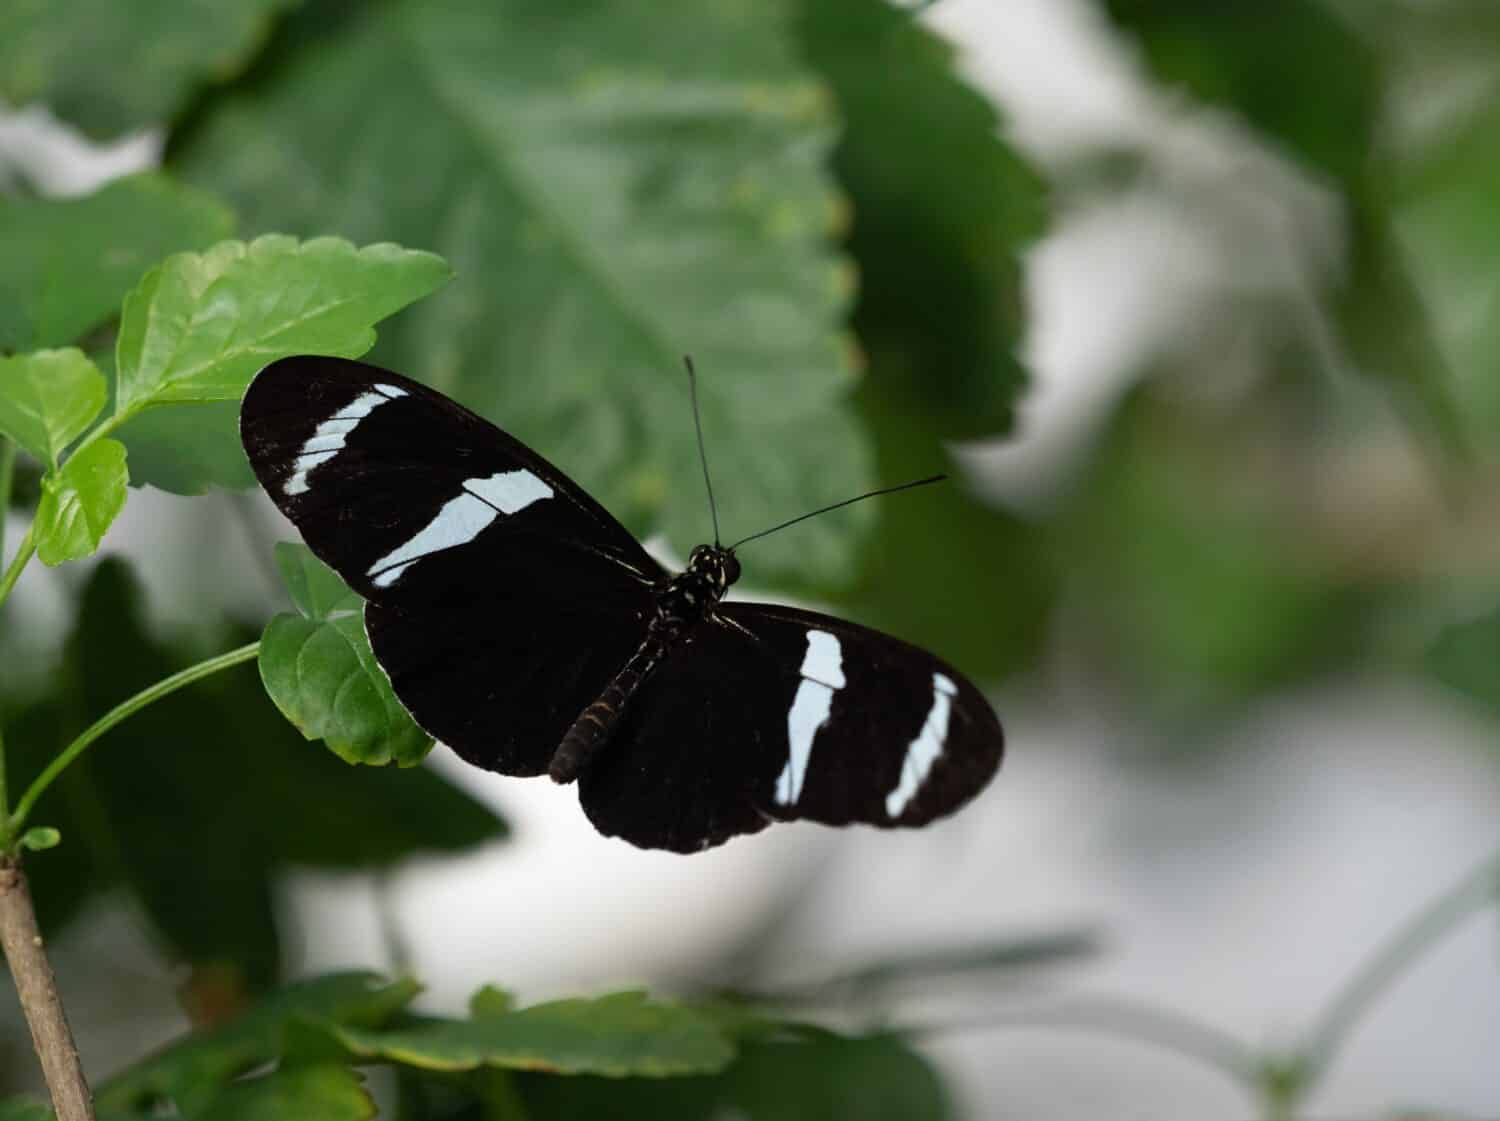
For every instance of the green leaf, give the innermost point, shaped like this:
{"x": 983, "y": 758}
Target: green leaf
{"x": 200, "y": 325}
{"x": 68, "y": 262}
{"x": 1448, "y": 227}
{"x": 1466, "y": 658}
{"x": 317, "y": 590}
{"x": 1199, "y": 582}
{"x": 624, "y": 1034}
{"x": 942, "y": 210}
{"x": 150, "y": 813}
{"x": 974, "y": 584}
{"x": 798, "y": 1074}
{"x": 47, "y": 399}
{"x": 491, "y": 1001}
{"x": 114, "y": 68}
{"x": 325, "y": 680}
{"x": 40, "y": 837}
{"x": 1292, "y": 68}
{"x": 616, "y": 193}
{"x": 192, "y": 1071}
{"x": 1270, "y": 63}
{"x": 318, "y": 1093}
{"x": 79, "y": 503}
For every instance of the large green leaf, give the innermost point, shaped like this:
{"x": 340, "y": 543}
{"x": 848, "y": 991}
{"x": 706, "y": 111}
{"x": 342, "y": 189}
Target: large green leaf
{"x": 942, "y": 209}
{"x": 1292, "y": 68}
{"x": 624, "y": 1034}
{"x": 320, "y": 671}
{"x": 793, "y": 1075}
{"x": 80, "y": 502}
{"x": 191, "y": 1072}
{"x": 47, "y": 399}
{"x": 616, "y": 191}
{"x": 974, "y": 584}
{"x": 68, "y": 262}
{"x": 208, "y": 794}
{"x": 111, "y": 68}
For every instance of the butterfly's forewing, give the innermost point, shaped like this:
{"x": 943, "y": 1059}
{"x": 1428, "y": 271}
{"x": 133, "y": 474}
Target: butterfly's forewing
{"x": 770, "y": 713}
{"x": 501, "y": 598}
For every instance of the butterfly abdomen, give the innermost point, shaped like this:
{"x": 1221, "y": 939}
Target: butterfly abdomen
{"x": 680, "y": 603}
{"x": 597, "y": 722}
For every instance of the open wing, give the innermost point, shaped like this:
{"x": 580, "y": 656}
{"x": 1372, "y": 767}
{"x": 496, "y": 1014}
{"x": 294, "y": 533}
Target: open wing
{"x": 501, "y": 597}
{"x": 769, "y": 713}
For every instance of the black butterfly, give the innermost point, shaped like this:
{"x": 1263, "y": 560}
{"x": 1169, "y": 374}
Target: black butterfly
{"x": 521, "y": 625}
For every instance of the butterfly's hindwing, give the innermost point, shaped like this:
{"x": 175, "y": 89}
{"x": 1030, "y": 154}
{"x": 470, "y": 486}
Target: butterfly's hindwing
{"x": 811, "y": 717}
{"x": 501, "y": 597}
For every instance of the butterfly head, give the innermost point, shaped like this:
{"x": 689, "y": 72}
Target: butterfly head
{"x": 715, "y": 564}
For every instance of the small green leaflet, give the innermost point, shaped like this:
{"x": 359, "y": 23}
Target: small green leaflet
{"x": 318, "y": 668}
{"x": 200, "y": 325}
{"x": 47, "y": 399}
{"x": 316, "y": 589}
{"x": 80, "y": 501}
{"x": 40, "y": 837}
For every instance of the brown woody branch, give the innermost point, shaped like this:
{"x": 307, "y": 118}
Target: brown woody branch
{"x": 37, "y": 988}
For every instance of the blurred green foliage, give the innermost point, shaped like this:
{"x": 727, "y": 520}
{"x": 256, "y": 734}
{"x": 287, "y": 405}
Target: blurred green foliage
{"x": 546, "y": 1061}
{"x": 174, "y": 806}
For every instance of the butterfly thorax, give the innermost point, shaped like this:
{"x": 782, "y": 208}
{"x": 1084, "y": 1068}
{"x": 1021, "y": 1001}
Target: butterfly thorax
{"x": 688, "y": 596}
{"x": 680, "y": 604}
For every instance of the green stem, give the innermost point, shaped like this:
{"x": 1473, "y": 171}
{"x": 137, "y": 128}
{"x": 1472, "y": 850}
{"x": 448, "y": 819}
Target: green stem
{"x": 7, "y": 478}
{"x": 1479, "y": 889}
{"x": 1128, "y": 1019}
{"x": 17, "y": 563}
{"x": 4, "y": 800}
{"x": 114, "y": 716}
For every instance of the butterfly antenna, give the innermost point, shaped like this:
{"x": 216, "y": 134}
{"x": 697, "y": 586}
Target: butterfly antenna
{"x": 836, "y": 505}
{"x": 713, "y": 509}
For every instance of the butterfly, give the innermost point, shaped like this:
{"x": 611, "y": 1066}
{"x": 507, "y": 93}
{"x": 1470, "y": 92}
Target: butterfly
{"x": 521, "y": 625}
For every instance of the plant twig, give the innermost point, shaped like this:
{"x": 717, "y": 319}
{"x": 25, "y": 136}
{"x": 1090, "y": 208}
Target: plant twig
{"x": 7, "y": 478}
{"x": 1479, "y": 889}
{"x": 18, "y": 562}
{"x": 1126, "y": 1019}
{"x": 120, "y": 712}
{"x": 37, "y": 989}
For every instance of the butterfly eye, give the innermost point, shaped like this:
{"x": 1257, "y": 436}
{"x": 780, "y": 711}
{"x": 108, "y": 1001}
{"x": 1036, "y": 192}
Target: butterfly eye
{"x": 731, "y": 568}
